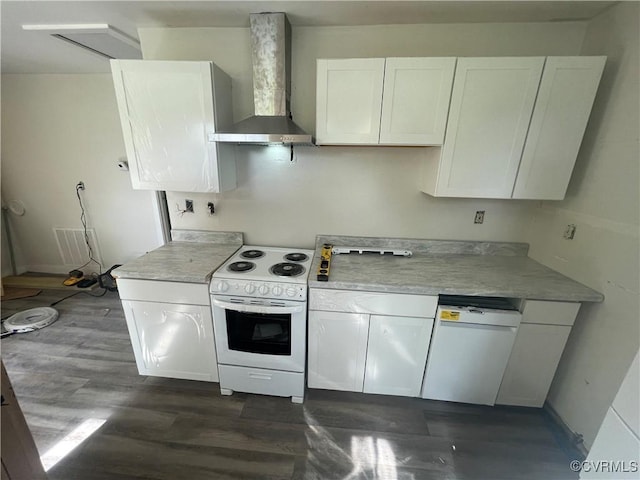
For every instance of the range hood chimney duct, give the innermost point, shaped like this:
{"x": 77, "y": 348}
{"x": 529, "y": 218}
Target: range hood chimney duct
{"x": 271, "y": 58}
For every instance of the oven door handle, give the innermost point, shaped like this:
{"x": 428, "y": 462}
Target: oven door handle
{"x": 241, "y": 307}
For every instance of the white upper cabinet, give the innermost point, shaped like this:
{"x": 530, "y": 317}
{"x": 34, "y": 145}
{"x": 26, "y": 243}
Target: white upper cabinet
{"x": 514, "y": 127}
{"x": 415, "y": 101}
{"x": 567, "y": 91}
{"x": 168, "y": 109}
{"x": 349, "y": 101}
{"x": 491, "y": 106}
{"x": 393, "y": 101}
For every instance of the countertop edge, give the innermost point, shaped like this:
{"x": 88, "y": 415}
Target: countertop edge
{"x": 421, "y": 290}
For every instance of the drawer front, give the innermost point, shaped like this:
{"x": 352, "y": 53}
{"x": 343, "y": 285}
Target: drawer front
{"x": 165, "y": 292}
{"x": 374, "y": 303}
{"x": 550, "y": 313}
{"x": 260, "y": 380}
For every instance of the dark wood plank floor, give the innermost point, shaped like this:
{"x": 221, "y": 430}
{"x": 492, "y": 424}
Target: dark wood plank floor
{"x": 82, "y": 367}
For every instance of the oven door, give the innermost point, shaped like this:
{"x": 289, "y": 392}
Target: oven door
{"x": 260, "y": 335}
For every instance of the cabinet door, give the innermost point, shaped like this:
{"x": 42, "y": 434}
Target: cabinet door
{"x": 415, "y": 101}
{"x": 349, "y": 101}
{"x": 167, "y": 113}
{"x": 491, "y": 106}
{"x": 532, "y": 364}
{"x": 171, "y": 340}
{"x": 337, "y": 350}
{"x": 397, "y": 355}
{"x": 567, "y": 91}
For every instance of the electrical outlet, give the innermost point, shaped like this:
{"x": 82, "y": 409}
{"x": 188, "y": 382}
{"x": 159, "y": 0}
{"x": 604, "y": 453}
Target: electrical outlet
{"x": 188, "y": 206}
{"x": 211, "y": 208}
{"x": 479, "y": 218}
{"x": 570, "y": 232}
{"x": 80, "y": 185}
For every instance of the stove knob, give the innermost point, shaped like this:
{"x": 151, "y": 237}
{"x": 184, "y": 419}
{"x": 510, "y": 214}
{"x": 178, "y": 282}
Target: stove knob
{"x": 263, "y": 289}
{"x": 223, "y": 286}
{"x": 250, "y": 288}
{"x": 277, "y": 290}
{"x": 292, "y": 292}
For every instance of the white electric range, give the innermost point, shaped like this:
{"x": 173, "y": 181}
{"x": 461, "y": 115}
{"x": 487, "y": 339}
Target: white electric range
{"x": 259, "y": 303}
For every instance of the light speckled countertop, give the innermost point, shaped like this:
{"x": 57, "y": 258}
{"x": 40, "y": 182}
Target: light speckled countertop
{"x": 191, "y": 260}
{"x": 436, "y": 267}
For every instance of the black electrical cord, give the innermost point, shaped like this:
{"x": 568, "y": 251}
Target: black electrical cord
{"x": 83, "y": 220}
{"x": 104, "y": 292}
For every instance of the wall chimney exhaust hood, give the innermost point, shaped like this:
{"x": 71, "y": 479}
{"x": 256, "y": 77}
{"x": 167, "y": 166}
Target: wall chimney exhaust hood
{"x": 271, "y": 58}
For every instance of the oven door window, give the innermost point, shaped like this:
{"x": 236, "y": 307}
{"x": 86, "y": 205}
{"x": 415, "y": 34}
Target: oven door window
{"x": 259, "y": 333}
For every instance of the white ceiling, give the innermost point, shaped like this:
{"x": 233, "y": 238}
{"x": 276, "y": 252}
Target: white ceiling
{"x": 33, "y": 52}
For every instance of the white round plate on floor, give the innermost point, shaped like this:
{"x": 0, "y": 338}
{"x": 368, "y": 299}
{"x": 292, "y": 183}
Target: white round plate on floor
{"x": 30, "y": 320}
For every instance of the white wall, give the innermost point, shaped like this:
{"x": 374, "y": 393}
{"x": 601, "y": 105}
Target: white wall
{"x": 348, "y": 190}
{"x": 56, "y": 131}
{"x": 603, "y": 201}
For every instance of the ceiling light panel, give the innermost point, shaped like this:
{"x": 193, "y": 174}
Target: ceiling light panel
{"x": 99, "y": 38}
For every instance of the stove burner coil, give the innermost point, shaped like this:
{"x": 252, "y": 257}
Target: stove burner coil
{"x": 287, "y": 269}
{"x": 252, "y": 254}
{"x": 296, "y": 257}
{"x": 241, "y": 266}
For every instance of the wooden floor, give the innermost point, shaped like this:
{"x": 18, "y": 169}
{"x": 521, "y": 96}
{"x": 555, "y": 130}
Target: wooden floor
{"x": 82, "y": 367}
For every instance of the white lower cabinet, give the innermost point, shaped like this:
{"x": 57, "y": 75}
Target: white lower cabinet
{"x": 536, "y": 352}
{"x": 532, "y": 365}
{"x": 396, "y": 355}
{"x": 356, "y": 344}
{"x": 337, "y": 350}
{"x": 170, "y": 338}
{"x": 363, "y": 347}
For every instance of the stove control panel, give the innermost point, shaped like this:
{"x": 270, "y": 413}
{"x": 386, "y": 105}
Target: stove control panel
{"x": 259, "y": 289}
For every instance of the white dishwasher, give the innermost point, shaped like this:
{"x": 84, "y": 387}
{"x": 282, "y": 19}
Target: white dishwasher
{"x": 471, "y": 343}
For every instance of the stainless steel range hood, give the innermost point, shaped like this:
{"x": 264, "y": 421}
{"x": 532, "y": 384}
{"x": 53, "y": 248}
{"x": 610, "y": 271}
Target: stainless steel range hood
{"x": 272, "y": 123}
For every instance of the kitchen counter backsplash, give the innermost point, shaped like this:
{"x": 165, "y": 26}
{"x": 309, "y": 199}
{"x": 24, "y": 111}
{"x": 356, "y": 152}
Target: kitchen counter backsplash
{"x": 429, "y": 247}
{"x": 205, "y": 236}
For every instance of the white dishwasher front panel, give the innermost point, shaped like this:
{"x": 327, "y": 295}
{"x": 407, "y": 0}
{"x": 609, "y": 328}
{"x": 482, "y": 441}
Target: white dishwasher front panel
{"x": 468, "y": 355}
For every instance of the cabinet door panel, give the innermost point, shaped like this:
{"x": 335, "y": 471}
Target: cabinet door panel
{"x": 167, "y": 113}
{"x": 337, "y": 350}
{"x": 397, "y": 355}
{"x": 349, "y": 101}
{"x": 415, "y": 102}
{"x": 532, "y": 364}
{"x": 491, "y": 106}
{"x": 567, "y": 91}
{"x": 171, "y": 340}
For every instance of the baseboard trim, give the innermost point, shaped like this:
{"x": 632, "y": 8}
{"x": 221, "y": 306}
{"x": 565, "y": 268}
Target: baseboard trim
{"x": 567, "y": 436}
